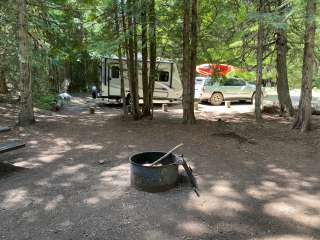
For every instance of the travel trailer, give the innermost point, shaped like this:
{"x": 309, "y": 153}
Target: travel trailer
{"x": 167, "y": 86}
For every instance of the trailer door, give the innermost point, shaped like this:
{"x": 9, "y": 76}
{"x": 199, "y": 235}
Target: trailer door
{"x": 162, "y": 85}
{"x": 114, "y": 81}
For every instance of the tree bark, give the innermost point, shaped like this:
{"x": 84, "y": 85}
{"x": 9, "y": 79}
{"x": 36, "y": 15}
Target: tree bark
{"x": 144, "y": 43}
{"x": 193, "y": 58}
{"x": 153, "y": 51}
{"x": 125, "y": 32}
{"x": 303, "y": 117}
{"x": 137, "y": 114}
{"x": 3, "y": 84}
{"x": 282, "y": 72}
{"x": 117, "y": 25}
{"x": 187, "y": 101}
{"x": 26, "y": 114}
{"x": 260, "y": 42}
{"x": 132, "y": 61}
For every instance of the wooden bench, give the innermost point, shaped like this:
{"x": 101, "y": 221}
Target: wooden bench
{"x": 4, "y": 129}
{"x": 10, "y": 146}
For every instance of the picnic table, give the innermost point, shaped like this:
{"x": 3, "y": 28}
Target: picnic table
{"x": 10, "y": 146}
{"x": 4, "y": 129}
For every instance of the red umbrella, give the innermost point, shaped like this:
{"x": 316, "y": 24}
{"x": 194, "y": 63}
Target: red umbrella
{"x": 220, "y": 69}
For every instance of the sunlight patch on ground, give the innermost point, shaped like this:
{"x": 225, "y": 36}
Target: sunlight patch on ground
{"x": 234, "y": 109}
{"x": 89, "y": 147}
{"x": 221, "y": 200}
{"x": 156, "y": 235}
{"x": 54, "y": 202}
{"x": 59, "y": 147}
{"x": 266, "y": 190}
{"x": 92, "y": 201}
{"x": 27, "y": 164}
{"x": 296, "y": 204}
{"x": 69, "y": 170}
{"x": 117, "y": 176}
{"x": 302, "y": 208}
{"x": 286, "y": 237}
{"x": 294, "y": 181}
{"x": 16, "y": 198}
{"x": 114, "y": 182}
{"x": 194, "y": 228}
{"x": 62, "y": 144}
{"x": 33, "y": 142}
{"x": 48, "y": 158}
{"x": 123, "y": 155}
{"x": 283, "y": 172}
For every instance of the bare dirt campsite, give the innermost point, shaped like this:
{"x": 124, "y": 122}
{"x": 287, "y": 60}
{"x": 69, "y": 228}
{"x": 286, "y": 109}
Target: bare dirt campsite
{"x": 256, "y": 181}
{"x": 159, "y": 120}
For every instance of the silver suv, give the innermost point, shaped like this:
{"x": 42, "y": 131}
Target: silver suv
{"x": 226, "y": 89}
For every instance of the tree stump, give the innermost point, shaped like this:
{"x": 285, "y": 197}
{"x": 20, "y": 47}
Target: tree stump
{"x": 165, "y": 107}
{"x": 196, "y": 106}
{"x": 92, "y": 110}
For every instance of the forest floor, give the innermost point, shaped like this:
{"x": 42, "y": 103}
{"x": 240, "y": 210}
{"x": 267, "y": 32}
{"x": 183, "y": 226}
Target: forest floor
{"x": 263, "y": 185}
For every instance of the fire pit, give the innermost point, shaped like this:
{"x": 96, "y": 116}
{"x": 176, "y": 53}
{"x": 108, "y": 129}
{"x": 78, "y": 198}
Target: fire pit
{"x": 160, "y": 177}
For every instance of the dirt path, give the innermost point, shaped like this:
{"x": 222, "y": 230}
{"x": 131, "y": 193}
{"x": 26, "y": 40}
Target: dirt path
{"x": 266, "y": 188}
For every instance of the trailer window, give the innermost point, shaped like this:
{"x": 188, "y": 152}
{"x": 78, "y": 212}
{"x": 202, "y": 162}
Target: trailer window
{"x": 163, "y": 76}
{"x": 115, "y": 72}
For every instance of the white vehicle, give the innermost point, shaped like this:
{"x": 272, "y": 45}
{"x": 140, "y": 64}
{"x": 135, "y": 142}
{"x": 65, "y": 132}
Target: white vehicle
{"x": 198, "y": 84}
{"x": 168, "y": 85}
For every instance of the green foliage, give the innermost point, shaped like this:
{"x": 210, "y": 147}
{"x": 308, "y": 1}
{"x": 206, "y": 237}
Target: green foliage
{"x": 44, "y": 101}
{"x": 246, "y": 75}
{"x": 67, "y": 38}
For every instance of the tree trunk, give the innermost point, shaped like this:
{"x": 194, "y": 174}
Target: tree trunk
{"x": 193, "y": 58}
{"x": 282, "y": 72}
{"x": 26, "y": 115}
{"x": 303, "y": 117}
{"x": 126, "y": 45}
{"x": 132, "y": 61}
{"x": 260, "y": 42}
{"x": 144, "y": 43}
{"x": 123, "y": 96}
{"x": 187, "y": 101}
{"x": 125, "y": 32}
{"x": 153, "y": 51}
{"x": 136, "y": 64}
{"x": 3, "y": 84}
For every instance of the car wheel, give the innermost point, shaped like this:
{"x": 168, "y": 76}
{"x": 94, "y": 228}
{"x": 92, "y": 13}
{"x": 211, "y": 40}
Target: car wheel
{"x": 216, "y": 99}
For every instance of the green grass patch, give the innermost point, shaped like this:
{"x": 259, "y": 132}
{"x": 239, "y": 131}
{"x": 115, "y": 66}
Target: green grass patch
{"x": 44, "y": 102}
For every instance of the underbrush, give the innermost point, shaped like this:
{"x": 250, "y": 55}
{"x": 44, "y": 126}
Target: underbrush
{"x": 44, "y": 102}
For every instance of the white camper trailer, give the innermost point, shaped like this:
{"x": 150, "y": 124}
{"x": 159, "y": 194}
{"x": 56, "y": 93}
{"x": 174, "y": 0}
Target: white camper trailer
{"x": 167, "y": 86}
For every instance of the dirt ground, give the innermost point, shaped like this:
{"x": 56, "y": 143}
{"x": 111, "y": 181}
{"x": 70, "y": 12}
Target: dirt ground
{"x": 256, "y": 181}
